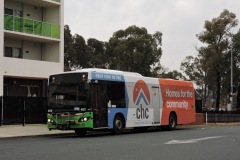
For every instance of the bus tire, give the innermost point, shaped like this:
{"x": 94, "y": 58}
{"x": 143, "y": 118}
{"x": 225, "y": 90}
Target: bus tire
{"x": 81, "y": 132}
{"x": 117, "y": 125}
{"x": 172, "y": 121}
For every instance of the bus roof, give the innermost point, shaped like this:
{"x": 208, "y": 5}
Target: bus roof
{"x": 109, "y": 71}
{"x": 133, "y": 75}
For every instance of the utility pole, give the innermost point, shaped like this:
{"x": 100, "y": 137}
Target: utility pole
{"x": 231, "y": 92}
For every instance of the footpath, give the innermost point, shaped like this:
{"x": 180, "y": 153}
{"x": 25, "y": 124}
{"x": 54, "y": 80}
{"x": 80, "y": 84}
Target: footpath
{"x": 30, "y": 130}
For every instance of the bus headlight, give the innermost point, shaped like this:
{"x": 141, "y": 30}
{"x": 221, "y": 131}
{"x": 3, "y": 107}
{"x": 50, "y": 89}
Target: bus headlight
{"x": 50, "y": 121}
{"x": 84, "y": 119}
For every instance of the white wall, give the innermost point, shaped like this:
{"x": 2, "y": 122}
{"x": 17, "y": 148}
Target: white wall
{"x": 29, "y": 68}
{"x": 8, "y": 42}
{"x": 29, "y": 11}
{"x": 61, "y": 46}
{"x": 32, "y": 12}
{"x": 51, "y": 15}
{"x": 32, "y": 50}
{"x": 51, "y": 52}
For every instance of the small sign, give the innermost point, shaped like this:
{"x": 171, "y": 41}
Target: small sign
{"x": 107, "y": 77}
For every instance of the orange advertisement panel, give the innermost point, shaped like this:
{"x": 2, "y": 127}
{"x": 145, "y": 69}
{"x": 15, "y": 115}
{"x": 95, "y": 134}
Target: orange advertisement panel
{"x": 177, "y": 96}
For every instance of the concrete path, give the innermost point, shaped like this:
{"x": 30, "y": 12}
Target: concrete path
{"x": 8, "y": 131}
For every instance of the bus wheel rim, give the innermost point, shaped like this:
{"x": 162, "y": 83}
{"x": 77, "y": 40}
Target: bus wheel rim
{"x": 118, "y": 124}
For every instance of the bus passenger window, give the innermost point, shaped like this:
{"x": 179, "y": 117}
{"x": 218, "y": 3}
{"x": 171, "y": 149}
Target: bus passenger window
{"x": 116, "y": 91}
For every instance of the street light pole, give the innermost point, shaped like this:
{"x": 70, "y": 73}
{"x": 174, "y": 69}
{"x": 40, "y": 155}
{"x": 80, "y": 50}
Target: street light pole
{"x": 231, "y": 71}
{"x": 231, "y": 98}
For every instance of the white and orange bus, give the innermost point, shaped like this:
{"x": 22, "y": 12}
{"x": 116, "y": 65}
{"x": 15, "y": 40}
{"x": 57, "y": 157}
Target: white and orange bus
{"x": 89, "y": 99}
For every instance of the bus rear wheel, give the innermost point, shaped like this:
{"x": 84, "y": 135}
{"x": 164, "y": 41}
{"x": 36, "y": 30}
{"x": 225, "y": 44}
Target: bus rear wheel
{"x": 117, "y": 125}
{"x": 81, "y": 132}
{"x": 172, "y": 121}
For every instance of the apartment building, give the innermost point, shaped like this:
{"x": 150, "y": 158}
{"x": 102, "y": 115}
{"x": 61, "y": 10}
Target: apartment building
{"x": 31, "y": 45}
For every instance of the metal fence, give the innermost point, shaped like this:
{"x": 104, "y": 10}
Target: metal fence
{"x": 221, "y": 117}
{"x": 217, "y": 116}
{"x": 23, "y": 110}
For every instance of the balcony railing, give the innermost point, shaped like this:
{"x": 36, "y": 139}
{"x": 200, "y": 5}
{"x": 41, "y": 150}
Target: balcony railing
{"x": 30, "y": 26}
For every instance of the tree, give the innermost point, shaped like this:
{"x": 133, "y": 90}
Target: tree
{"x": 134, "y": 49}
{"x": 192, "y": 68}
{"x": 96, "y": 51}
{"x": 68, "y": 48}
{"x": 81, "y": 54}
{"x": 78, "y": 54}
{"x": 236, "y": 58}
{"x": 173, "y": 75}
{"x": 216, "y": 37}
{"x": 196, "y": 72}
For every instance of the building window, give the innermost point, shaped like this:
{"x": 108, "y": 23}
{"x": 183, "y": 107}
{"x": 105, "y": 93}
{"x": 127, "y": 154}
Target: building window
{"x": 8, "y": 52}
{"x": 13, "y": 12}
{"x": 13, "y": 52}
{"x": 8, "y": 11}
{"x": 17, "y": 13}
{"x": 16, "y": 53}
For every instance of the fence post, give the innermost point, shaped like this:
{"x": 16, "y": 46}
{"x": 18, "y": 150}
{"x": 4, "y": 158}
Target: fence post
{"x": 1, "y": 110}
{"x": 23, "y": 113}
{"x": 206, "y": 118}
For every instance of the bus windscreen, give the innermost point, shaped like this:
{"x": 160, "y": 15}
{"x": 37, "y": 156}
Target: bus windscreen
{"x": 67, "y": 93}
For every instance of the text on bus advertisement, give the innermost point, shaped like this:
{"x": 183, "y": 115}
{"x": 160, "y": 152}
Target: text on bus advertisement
{"x": 180, "y": 103}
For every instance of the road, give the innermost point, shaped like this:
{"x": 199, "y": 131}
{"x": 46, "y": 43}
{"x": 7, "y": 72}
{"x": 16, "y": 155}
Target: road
{"x": 218, "y": 143}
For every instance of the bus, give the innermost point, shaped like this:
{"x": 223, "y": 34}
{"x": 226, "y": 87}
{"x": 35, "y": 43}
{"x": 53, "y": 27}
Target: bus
{"x": 92, "y": 99}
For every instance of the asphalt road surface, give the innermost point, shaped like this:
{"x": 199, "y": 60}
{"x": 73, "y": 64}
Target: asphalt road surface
{"x": 210, "y": 143}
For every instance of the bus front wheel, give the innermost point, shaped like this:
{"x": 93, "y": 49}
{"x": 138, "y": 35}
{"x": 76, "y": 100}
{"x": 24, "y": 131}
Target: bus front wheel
{"x": 117, "y": 125}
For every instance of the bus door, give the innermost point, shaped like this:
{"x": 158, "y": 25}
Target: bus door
{"x": 99, "y": 105}
{"x": 156, "y": 104}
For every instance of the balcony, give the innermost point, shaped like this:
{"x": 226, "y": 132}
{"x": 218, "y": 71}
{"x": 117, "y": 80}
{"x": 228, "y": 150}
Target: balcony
{"x": 30, "y": 68}
{"x": 30, "y": 26}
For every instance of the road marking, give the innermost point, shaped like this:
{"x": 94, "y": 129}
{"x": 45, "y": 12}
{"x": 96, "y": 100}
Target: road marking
{"x": 191, "y": 140}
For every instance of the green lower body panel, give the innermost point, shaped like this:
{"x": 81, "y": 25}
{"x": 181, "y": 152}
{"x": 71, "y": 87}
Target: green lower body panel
{"x": 66, "y": 121}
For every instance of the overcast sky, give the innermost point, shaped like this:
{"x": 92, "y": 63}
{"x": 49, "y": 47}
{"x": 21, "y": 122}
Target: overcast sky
{"x": 178, "y": 20}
